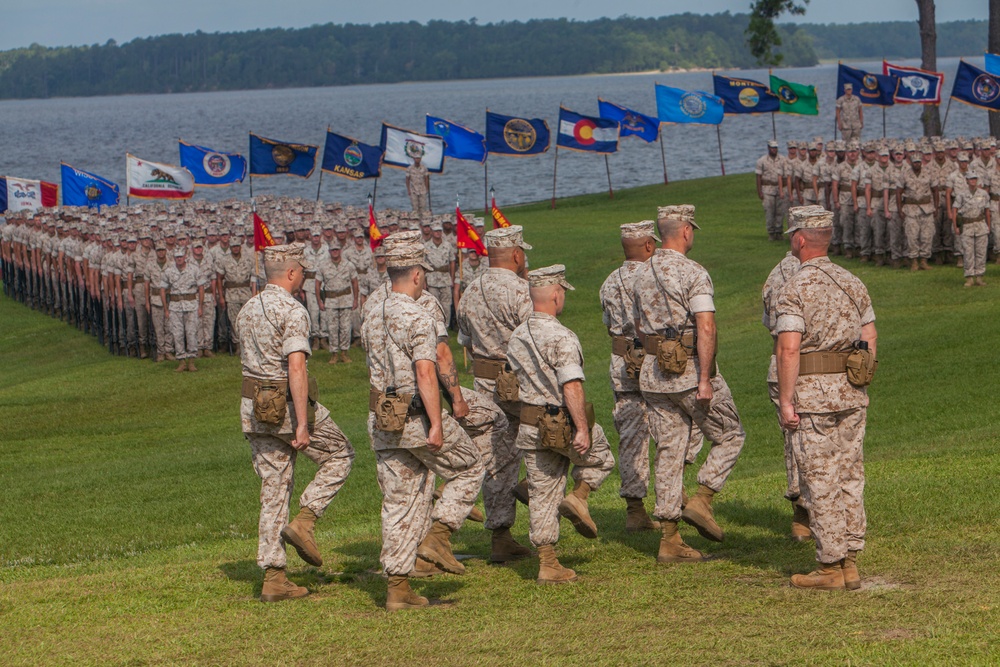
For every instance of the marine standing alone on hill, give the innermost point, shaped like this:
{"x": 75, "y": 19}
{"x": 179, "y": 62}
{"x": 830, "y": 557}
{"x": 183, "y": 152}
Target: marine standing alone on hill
{"x": 771, "y": 188}
{"x": 850, "y": 116}
{"x": 418, "y": 187}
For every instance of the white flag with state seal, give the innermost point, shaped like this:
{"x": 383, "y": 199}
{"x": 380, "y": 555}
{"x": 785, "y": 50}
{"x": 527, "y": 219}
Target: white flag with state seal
{"x": 155, "y": 180}
{"x": 401, "y": 146}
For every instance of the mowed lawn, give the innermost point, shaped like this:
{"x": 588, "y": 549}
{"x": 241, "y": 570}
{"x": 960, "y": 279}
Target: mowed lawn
{"x": 128, "y": 504}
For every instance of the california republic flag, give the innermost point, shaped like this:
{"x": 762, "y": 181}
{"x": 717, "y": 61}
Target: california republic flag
{"x": 153, "y": 180}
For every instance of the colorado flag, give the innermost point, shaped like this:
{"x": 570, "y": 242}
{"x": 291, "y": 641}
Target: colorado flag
{"x": 587, "y": 133}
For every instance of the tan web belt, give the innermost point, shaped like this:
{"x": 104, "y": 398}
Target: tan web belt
{"x": 373, "y": 396}
{"x": 924, "y": 200}
{"x": 620, "y": 345}
{"x": 532, "y": 414}
{"x": 336, "y": 293}
{"x": 485, "y": 368}
{"x": 246, "y": 390}
{"x": 816, "y": 363}
{"x": 310, "y": 275}
{"x": 688, "y": 340}
{"x": 183, "y": 297}
{"x": 235, "y": 285}
{"x": 968, "y": 221}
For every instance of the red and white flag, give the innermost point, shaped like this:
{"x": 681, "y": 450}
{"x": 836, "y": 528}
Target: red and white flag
{"x": 27, "y": 195}
{"x": 155, "y": 180}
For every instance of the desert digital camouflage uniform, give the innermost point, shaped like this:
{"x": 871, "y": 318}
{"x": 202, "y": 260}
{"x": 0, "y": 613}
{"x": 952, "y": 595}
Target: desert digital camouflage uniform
{"x": 545, "y": 355}
{"x": 897, "y": 237}
{"x": 206, "y": 323}
{"x": 273, "y": 325}
{"x": 336, "y": 282}
{"x": 137, "y": 269}
{"x": 181, "y": 313}
{"x": 993, "y": 185}
{"x": 843, "y": 229}
{"x": 863, "y": 228}
{"x": 317, "y": 257}
{"x": 154, "y": 278}
{"x": 396, "y": 334}
{"x": 850, "y": 117}
{"x": 971, "y": 208}
{"x": 918, "y": 212}
{"x": 441, "y": 257}
{"x": 416, "y": 175}
{"x": 828, "y": 305}
{"x": 235, "y": 274}
{"x": 811, "y": 182}
{"x": 944, "y": 237}
{"x": 669, "y": 291}
{"x": 878, "y": 183}
{"x": 771, "y": 171}
{"x": 470, "y": 273}
{"x": 779, "y": 275}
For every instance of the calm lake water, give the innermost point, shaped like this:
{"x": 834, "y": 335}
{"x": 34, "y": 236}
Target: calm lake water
{"x": 95, "y": 133}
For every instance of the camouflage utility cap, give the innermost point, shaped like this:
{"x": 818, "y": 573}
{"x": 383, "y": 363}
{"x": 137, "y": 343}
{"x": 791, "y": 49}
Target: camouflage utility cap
{"x": 809, "y": 217}
{"x": 506, "y": 237}
{"x": 639, "y": 230}
{"x": 288, "y": 252}
{"x": 549, "y": 275}
{"x": 406, "y": 254}
{"x": 682, "y": 212}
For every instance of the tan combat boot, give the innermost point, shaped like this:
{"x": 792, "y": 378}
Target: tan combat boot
{"x": 191, "y": 366}
{"x": 848, "y": 253}
{"x": 939, "y": 259}
{"x": 171, "y": 357}
{"x": 800, "y": 523}
{"x": 436, "y": 548}
{"x": 698, "y": 513}
{"x": 574, "y": 507}
{"x": 924, "y": 266}
{"x": 980, "y": 281}
{"x": 828, "y": 577}
{"x": 423, "y": 569}
{"x": 505, "y": 548}
{"x": 159, "y": 358}
{"x": 673, "y": 549}
{"x": 344, "y": 359}
{"x": 300, "y": 533}
{"x": 181, "y": 367}
{"x": 852, "y": 580}
{"x": 277, "y": 587}
{"x": 549, "y": 569}
{"x": 144, "y": 352}
{"x": 960, "y": 261}
{"x": 914, "y": 265}
{"x": 401, "y": 596}
{"x": 879, "y": 259}
{"x": 333, "y": 358}
{"x": 521, "y": 492}
{"x": 208, "y": 354}
{"x": 969, "y": 282}
{"x": 314, "y": 344}
{"x": 475, "y": 514}
{"x": 636, "y": 518}
{"x": 895, "y": 264}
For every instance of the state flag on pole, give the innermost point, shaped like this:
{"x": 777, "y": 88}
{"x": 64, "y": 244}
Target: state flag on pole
{"x": 630, "y": 123}
{"x": 261, "y": 233}
{"x": 375, "y": 235}
{"x": 741, "y": 96}
{"x": 465, "y": 235}
{"x": 270, "y": 157}
{"x": 21, "y": 194}
{"x": 674, "y": 105}
{"x": 587, "y": 133}
{"x": 81, "y": 188}
{"x": 212, "y": 168}
{"x": 460, "y": 142}
{"x": 155, "y": 180}
{"x": 992, "y": 63}
{"x": 350, "y": 158}
{"x": 916, "y": 86}
{"x": 872, "y": 89}
{"x": 401, "y": 146}
{"x": 796, "y": 98}
{"x": 976, "y": 87}
{"x": 499, "y": 219}
{"x": 514, "y": 135}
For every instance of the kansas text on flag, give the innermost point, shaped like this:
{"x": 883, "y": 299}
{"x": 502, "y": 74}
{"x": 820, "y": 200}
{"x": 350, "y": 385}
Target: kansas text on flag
{"x": 350, "y": 158}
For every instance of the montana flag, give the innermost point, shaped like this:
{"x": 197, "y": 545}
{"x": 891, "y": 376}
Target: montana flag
{"x": 81, "y": 188}
{"x": 261, "y": 234}
{"x": 20, "y": 194}
{"x": 375, "y": 235}
{"x": 401, "y": 146}
{"x": 741, "y": 96}
{"x": 499, "y": 219}
{"x": 916, "y": 86}
{"x": 155, "y": 180}
{"x": 992, "y": 63}
{"x": 873, "y": 89}
{"x": 976, "y": 87}
{"x": 460, "y": 142}
{"x": 270, "y": 157}
{"x": 587, "y": 133}
{"x": 630, "y": 123}
{"x": 674, "y": 105}
{"x": 350, "y": 158}
{"x": 466, "y": 236}
{"x": 212, "y": 168}
{"x": 512, "y": 135}
{"x": 797, "y": 98}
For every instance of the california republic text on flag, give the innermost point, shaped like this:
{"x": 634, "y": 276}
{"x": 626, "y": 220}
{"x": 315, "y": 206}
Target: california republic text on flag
{"x": 154, "y": 180}
{"x": 401, "y": 146}
{"x": 587, "y": 133}
{"x": 81, "y": 188}
{"x": 212, "y": 168}
{"x": 21, "y": 194}
{"x": 465, "y": 235}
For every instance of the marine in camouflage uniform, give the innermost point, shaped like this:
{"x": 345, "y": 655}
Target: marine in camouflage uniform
{"x": 337, "y": 293}
{"x": 317, "y": 254}
{"x": 843, "y": 198}
{"x": 850, "y": 116}
{"x": 547, "y": 359}
{"x": 274, "y": 349}
{"x": 971, "y": 219}
{"x": 674, "y": 296}
{"x": 206, "y": 322}
{"x": 183, "y": 292}
{"x": 441, "y": 255}
{"x": 878, "y": 186}
{"x": 825, "y": 309}
{"x": 235, "y": 274}
{"x": 917, "y": 202}
{"x": 153, "y": 272}
{"x": 770, "y": 170}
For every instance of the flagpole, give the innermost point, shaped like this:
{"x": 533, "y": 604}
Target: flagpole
{"x": 555, "y": 167}
{"x": 486, "y": 178}
{"x": 251, "y": 185}
{"x": 663, "y": 154}
{"x": 945, "y": 123}
{"x": 883, "y": 121}
{"x": 320, "y": 184}
{"x": 718, "y": 133}
{"x": 607, "y": 167}
{"x": 774, "y": 128}
{"x": 375, "y": 193}
{"x": 128, "y": 176}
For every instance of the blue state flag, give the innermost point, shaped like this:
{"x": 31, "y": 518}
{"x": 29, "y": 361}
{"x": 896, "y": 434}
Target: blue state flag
{"x": 874, "y": 89}
{"x": 992, "y": 63}
{"x": 741, "y": 96}
{"x": 587, "y": 133}
{"x": 269, "y": 157}
{"x": 212, "y": 168}
{"x": 513, "y": 135}
{"x": 976, "y": 87}
{"x": 460, "y": 142}
{"x": 916, "y": 86}
{"x": 674, "y": 105}
{"x": 350, "y": 158}
{"x": 630, "y": 123}
{"x": 81, "y": 188}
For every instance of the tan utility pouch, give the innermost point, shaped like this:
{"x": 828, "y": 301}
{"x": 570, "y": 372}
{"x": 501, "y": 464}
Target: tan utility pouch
{"x": 671, "y": 356}
{"x": 270, "y": 402}
{"x": 555, "y": 430}
{"x": 861, "y": 365}
{"x": 507, "y": 389}
{"x": 390, "y": 410}
{"x": 633, "y": 354}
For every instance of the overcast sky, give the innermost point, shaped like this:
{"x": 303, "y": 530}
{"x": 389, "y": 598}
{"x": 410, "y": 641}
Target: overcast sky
{"x": 75, "y": 22}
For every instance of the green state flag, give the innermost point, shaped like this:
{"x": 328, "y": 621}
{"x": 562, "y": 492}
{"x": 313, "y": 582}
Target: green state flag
{"x": 795, "y": 97}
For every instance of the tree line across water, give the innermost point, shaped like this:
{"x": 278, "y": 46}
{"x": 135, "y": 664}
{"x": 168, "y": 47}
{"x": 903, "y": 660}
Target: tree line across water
{"x": 325, "y": 55}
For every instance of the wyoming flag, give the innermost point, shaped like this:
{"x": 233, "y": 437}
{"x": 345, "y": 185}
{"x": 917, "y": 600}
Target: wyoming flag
{"x": 466, "y": 236}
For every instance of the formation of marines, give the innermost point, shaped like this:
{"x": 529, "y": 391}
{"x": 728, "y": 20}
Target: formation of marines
{"x": 896, "y": 203}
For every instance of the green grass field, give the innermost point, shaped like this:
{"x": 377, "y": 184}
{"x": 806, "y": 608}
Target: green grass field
{"x": 128, "y": 512}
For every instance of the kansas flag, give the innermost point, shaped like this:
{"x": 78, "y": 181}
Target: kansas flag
{"x": 81, "y": 188}
{"x": 212, "y": 168}
{"x": 586, "y": 133}
{"x": 460, "y": 142}
{"x": 744, "y": 95}
{"x": 976, "y": 87}
{"x": 512, "y": 135}
{"x": 269, "y": 157}
{"x": 350, "y": 158}
{"x": 630, "y": 123}
{"x": 874, "y": 89}
{"x": 674, "y": 105}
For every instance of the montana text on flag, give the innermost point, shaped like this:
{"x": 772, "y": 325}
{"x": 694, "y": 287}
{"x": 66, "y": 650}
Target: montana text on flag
{"x": 402, "y": 146}
{"x": 269, "y": 157}
{"x": 460, "y": 142}
{"x": 350, "y": 158}
{"x": 976, "y": 87}
{"x": 212, "y": 168}
{"x": 513, "y": 135}
{"x": 499, "y": 219}
{"x": 81, "y": 188}
{"x": 916, "y": 86}
{"x": 874, "y": 89}
{"x": 21, "y": 194}
{"x": 630, "y": 123}
{"x": 744, "y": 95}
{"x": 587, "y": 133}
{"x": 674, "y": 105}
{"x": 992, "y": 63}
{"x": 375, "y": 235}
{"x": 797, "y": 98}
{"x": 465, "y": 235}
{"x": 155, "y": 180}
{"x": 261, "y": 233}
